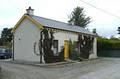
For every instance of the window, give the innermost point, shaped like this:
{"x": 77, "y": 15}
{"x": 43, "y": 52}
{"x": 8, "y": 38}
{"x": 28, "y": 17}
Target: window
{"x": 78, "y": 46}
{"x": 92, "y": 51}
{"x": 55, "y": 47}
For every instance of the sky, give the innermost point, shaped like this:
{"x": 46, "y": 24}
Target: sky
{"x": 106, "y": 25}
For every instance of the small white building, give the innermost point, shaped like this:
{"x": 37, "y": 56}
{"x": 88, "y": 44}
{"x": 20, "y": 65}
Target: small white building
{"x": 27, "y": 35}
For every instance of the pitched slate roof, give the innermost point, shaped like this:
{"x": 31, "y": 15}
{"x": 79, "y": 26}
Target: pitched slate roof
{"x": 59, "y": 25}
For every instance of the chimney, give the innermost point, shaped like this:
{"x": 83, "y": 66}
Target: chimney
{"x": 71, "y": 22}
{"x": 30, "y": 11}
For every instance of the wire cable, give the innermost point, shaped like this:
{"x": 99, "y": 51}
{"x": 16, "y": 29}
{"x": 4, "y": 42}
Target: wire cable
{"x": 100, "y": 9}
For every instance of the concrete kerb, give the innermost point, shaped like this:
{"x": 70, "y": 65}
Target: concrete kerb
{"x": 66, "y": 63}
{"x": 57, "y": 64}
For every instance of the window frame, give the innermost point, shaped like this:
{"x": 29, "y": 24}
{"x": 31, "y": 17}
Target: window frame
{"x": 55, "y": 42}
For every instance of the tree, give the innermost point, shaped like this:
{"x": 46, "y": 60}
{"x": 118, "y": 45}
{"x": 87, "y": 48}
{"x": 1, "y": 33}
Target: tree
{"x": 79, "y": 18}
{"x": 6, "y": 35}
{"x": 113, "y": 38}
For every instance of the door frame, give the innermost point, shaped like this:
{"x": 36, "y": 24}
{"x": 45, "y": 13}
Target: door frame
{"x": 66, "y": 46}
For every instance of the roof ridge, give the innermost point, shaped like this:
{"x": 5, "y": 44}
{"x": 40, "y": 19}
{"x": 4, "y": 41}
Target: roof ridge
{"x": 57, "y": 21}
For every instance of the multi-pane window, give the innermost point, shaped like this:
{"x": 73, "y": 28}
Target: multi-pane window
{"x": 55, "y": 47}
{"x": 78, "y": 46}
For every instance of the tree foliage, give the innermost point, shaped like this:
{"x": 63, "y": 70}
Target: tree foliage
{"x": 85, "y": 45}
{"x": 79, "y": 18}
{"x": 47, "y": 44}
{"x": 6, "y": 36}
{"x": 108, "y": 44}
{"x": 73, "y": 54}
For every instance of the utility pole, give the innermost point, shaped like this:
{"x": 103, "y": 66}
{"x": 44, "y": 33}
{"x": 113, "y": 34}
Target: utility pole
{"x": 118, "y": 30}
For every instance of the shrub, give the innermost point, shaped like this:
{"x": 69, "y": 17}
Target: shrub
{"x": 108, "y": 44}
{"x": 72, "y": 50}
{"x": 80, "y": 58}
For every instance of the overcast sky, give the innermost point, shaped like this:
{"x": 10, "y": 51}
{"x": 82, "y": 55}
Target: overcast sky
{"x": 12, "y": 10}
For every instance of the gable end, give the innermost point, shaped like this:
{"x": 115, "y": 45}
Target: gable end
{"x": 23, "y": 17}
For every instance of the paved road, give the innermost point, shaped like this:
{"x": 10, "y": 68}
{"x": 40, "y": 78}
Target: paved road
{"x": 106, "y": 68}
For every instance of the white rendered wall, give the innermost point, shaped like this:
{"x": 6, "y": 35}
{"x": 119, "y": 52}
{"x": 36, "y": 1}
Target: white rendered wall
{"x": 94, "y": 54}
{"x": 61, "y": 37}
{"x": 24, "y": 38}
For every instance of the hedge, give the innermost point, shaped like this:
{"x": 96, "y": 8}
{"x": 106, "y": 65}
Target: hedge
{"x": 108, "y": 44}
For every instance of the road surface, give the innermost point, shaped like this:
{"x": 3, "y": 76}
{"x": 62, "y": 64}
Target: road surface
{"x": 106, "y": 68}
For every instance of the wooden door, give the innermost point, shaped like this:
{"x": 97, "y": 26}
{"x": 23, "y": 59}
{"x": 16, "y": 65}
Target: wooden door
{"x": 66, "y": 55}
